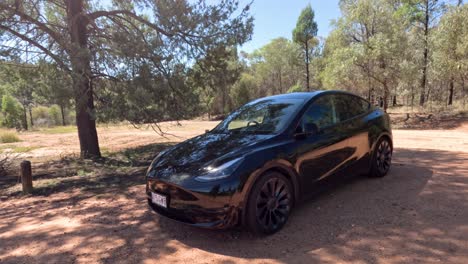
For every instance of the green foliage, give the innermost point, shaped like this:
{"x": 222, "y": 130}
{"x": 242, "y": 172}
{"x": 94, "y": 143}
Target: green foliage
{"x": 306, "y": 27}
{"x": 11, "y": 111}
{"x": 241, "y": 91}
{"x": 54, "y": 115}
{"x": 213, "y": 76}
{"x": 296, "y": 88}
{"x": 9, "y": 137}
{"x": 276, "y": 66}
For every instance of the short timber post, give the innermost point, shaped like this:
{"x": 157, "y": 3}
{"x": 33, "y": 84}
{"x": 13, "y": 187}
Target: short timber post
{"x": 26, "y": 176}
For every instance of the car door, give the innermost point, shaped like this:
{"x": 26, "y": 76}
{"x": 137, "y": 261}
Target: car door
{"x": 351, "y": 113}
{"x": 321, "y": 152}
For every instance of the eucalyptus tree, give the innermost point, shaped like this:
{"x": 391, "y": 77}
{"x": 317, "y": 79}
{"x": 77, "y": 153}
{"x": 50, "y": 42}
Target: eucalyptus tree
{"x": 304, "y": 34}
{"x": 92, "y": 41}
{"x": 277, "y": 66}
{"x": 366, "y": 48}
{"x": 214, "y": 76}
{"x": 424, "y": 15}
{"x": 450, "y": 41}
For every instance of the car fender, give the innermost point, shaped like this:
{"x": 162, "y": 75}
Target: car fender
{"x": 280, "y": 165}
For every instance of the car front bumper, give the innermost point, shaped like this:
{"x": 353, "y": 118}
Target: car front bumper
{"x": 201, "y": 208}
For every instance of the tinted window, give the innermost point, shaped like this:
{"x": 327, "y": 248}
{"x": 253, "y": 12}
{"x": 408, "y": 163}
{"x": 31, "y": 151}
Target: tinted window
{"x": 264, "y": 116}
{"x": 320, "y": 112}
{"x": 349, "y": 106}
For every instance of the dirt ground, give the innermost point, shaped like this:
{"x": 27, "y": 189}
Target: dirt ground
{"x": 417, "y": 214}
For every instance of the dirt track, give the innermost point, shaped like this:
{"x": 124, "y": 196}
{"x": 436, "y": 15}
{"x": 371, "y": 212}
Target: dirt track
{"x": 417, "y": 214}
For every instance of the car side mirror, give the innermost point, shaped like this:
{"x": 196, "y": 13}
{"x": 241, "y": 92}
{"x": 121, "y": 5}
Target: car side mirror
{"x": 306, "y": 130}
{"x": 310, "y": 128}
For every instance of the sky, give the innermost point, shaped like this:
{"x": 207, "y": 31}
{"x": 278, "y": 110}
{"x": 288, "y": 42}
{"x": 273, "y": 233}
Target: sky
{"x": 277, "y": 18}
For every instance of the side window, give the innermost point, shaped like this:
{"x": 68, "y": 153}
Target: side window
{"x": 321, "y": 113}
{"x": 364, "y": 104}
{"x": 349, "y": 106}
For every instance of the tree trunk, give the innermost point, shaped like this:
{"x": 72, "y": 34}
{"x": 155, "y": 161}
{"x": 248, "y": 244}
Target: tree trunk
{"x": 385, "y": 97}
{"x": 62, "y": 111}
{"x": 307, "y": 65}
{"x": 463, "y": 91}
{"x": 450, "y": 98}
{"x": 81, "y": 65}
{"x": 280, "y": 83}
{"x": 426, "y": 54}
{"x": 25, "y": 118}
{"x": 30, "y": 117}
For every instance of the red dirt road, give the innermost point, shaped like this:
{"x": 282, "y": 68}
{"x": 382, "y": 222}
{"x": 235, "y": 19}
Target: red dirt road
{"x": 417, "y": 214}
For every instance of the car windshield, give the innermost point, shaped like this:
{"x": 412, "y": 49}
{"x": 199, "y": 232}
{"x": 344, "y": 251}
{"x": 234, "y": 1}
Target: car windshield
{"x": 269, "y": 116}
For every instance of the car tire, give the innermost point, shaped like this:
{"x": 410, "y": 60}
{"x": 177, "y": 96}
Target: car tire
{"x": 381, "y": 158}
{"x": 270, "y": 203}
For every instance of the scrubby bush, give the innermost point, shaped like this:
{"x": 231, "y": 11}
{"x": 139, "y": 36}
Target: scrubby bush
{"x": 40, "y": 116}
{"x": 11, "y": 111}
{"x": 9, "y": 137}
{"x": 296, "y": 88}
{"x": 241, "y": 92}
{"x": 54, "y": 115}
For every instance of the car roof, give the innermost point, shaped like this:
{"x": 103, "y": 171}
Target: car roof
{"x": 305, "y": 95}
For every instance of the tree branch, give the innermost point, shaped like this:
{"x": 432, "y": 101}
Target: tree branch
{"x": 95, "y": 15}
{"x": 37, "y": 45}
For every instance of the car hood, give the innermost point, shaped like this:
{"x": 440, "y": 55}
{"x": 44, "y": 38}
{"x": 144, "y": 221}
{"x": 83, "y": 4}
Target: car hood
{"x": 193, "y": 154}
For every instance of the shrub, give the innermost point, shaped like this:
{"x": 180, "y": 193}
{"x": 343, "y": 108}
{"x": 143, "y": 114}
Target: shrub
{"x": 11, "y": 110}
{"x": 55, "y": 115}
{"x": 9, "y": 137}
{"x": 296, "y": 88}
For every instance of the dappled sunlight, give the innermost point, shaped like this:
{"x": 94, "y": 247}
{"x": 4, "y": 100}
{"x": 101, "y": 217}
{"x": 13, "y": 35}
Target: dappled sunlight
{"x": 416, "y": 213}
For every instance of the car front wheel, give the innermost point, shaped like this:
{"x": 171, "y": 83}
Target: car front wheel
{"x": 269, "y": 204}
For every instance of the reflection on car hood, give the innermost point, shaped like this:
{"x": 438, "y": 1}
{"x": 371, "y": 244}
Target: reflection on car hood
{"x": 192, "y": 154}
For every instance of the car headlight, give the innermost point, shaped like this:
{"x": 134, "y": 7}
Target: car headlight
{"x": 222, "y": 171}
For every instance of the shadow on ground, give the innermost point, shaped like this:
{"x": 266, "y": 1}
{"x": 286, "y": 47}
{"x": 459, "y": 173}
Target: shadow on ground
{"x": 415, "y": 214}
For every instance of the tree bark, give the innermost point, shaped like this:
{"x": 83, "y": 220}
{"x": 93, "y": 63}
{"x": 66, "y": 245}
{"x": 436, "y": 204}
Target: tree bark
{"x": 30, "y": 117}
{"x": 385, "y": 97}
{"x": 62, "y": 112}
{"x": 81, "y": 64}
{"x": 426, "y": 54}
{"x": 25, "y": 118}
{"x": 450, "y": 97}
{"x": 307, "y": 65}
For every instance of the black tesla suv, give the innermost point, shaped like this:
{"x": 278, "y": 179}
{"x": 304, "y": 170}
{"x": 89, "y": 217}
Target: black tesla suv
{"x": 268, "y": 155}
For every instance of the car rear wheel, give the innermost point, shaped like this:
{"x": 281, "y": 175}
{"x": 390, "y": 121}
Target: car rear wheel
{"x": 382, "y": 158}
{"x": 269, "y": 204}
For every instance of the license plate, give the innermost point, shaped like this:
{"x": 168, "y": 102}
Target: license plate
{"x": 159, "y": 199}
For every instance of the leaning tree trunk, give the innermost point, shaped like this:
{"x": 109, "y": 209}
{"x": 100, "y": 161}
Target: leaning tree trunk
{"x": 81, "y": 65}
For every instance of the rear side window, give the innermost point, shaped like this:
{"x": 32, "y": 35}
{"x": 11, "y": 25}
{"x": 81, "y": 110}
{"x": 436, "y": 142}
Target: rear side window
{"x": 349, "y": 106}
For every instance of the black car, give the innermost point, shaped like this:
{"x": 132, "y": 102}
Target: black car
{"x": 268, "y": 155}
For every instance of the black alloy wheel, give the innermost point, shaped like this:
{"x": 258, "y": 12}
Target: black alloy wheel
{"x": 270, "y": 203}
{"x": 382, "y": 158}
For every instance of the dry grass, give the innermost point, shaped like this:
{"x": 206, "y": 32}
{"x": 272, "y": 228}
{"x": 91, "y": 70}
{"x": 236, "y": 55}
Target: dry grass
{"x": 9, "y": 137}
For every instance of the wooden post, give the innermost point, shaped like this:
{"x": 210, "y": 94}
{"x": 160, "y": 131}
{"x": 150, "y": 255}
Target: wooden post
{"x": 26, "y": 176}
